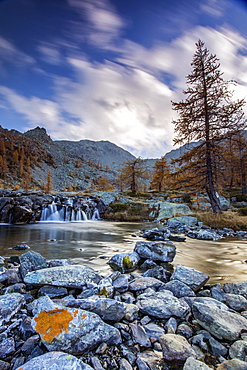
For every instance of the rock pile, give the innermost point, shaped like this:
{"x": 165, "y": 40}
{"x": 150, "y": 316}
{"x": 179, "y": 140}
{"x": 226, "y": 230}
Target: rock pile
{"x": 55, "y": 315}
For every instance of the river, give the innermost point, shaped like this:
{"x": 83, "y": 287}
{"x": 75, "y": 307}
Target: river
{"x": 94, "y": 242}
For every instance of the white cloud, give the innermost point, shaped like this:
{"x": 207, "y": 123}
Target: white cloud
{"x": 100, "y": 24}
{"x": 50, "y": 53}
{"x": 216, "y": 8}
{"x": 11, "y": 54}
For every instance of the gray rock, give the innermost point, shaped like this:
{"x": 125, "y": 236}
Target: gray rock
{"x": 7, "y": 346}
{"x": 106, "y": 288}
{"x": 167, "y": 209}
{"x": 179, "y": 289}
{"x": 145, "y": 282}
{"x": 214, "y": 316}
{"x": 234, "y": 364}
{"x": 121, "y": 284}
{"x": 239, "y": 350}
{"x": 158, "y": 272}
{"x": 207, "y": 235}
{"x": 185, "y": 331}
{"x": 53, "y": 291}
{"x": 124, "y": 262}
{"x": 4, "y": 365}
{"x": 163, "y": 251}
{"x": 21, "y": 247}
{"x": 31, "y": 261}
{"x": 55, "y": 361}
{"x": 182, "y": 220}
{"x": 10, "y": 276}
{"x": 9, "y": 305}
{"x": 108, "y": 309}
{"x": 131, "y": 312}
{"x": 95, "y": 362}
{"x": 171, "y": 326}
{"x": 72, "y": 330}
{"x": 72, "y": 276}
{"x": 218, "y": 293}
{"x": 162, "y": 305}
{"x": 189, "y": 276}
{"x": 236, "y": 288}
{"x": 154, "y": 331}
{"x": 124, "y": 364}
{"x": 216, "y": 348}
{"x": 192, "y": 364}
{"x": 176, "y": 348}
{"x": 236, "y": 302}
{"x": 150, "y": 360}
{"x": 139, "y": 335}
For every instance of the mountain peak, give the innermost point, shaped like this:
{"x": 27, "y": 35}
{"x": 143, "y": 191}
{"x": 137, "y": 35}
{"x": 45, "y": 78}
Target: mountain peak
{"x": 38, "y": 133}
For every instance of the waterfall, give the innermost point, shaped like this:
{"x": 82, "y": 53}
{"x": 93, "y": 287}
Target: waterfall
{"x": 66, "y": 212}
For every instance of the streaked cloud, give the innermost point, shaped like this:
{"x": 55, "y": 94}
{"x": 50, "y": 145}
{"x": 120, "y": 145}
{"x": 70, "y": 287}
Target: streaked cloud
{"x": 11, "y": 54}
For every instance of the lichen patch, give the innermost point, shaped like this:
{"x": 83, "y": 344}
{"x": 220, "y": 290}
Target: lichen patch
{"x": 50, "y": 324}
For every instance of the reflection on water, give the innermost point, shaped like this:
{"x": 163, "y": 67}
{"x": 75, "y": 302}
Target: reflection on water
{"x": 94, "y": 242}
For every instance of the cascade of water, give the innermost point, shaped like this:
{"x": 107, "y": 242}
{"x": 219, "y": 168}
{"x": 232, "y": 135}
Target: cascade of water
{"x": 65, "y": 212}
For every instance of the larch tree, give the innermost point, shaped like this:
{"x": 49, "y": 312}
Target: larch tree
{"x": 133, "y": 172}
{"x": 161, "y": 175}
{"x": 207, "y": 115}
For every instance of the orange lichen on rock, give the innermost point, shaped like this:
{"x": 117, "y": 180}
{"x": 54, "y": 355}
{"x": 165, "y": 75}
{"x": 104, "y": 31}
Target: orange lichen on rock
{"x": 50, "y": 324}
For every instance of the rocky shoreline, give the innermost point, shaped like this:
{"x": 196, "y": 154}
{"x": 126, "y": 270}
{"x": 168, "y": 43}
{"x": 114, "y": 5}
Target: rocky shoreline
{"x": 55, "y": 315}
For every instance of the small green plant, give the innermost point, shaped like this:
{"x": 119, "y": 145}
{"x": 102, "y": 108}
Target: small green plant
{"x": 103, "y": 292}
{"x": 127, "y": 263}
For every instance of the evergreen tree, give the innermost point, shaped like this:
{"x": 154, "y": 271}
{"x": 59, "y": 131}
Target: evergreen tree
{"x": 207, "y": 115}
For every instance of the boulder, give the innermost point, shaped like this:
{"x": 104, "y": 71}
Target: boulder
{"x": 239, "y": 350}
{"x": 124, "y": 262}
{"x": 31, "y": 261}
{"x": 215, "y": 317}
{"x": 233, "y": 364}
{"x": 143, "y": 283}
{"x": 182, "y": 220}
{"x": 71, "y": 330}
{"x": 176, "y": 348}
{"x": 179, "y": 289}
{"x": 207, "y": 235}
{"x": 163, "y": 251}
{"x": 55, "y": 361}
{"x": 189, "y": 276}
{"x": 162, "y": 305}
{"x": 167, "y": 209}
{"x": 72, "y": 276}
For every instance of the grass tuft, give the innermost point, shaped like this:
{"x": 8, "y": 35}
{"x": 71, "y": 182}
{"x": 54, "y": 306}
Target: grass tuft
{"x": 228, "y": 219}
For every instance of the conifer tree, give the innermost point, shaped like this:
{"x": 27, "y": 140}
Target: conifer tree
{"x": 161, "y": 174}
{"x": 133, "y": 172}
{"x": 207, "y": 115}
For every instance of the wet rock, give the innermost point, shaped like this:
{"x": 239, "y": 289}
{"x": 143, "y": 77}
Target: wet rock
{"x": 105, "y": 288}
{"x": 31, "y": 261}
{"x": 207, "y": 235}
{"x": 176, "y": 348}
{"x": 182, "y": 220}
{"x": 21, "y": 247}
{"x": 214, "y": 316}
{"x": 10, "y": 276}
{"x": 72, "y": 276}
{"x": 55, "y": 360}
{"x": 72, "y": 330}
{"x": 162, "y": 305}
{"x": 9, "y": 305}
{"x": 192, "y": 364}
{"x": 191, "y": 277}
{"x": 156, "y": 251}
{"x": 124, "y": 262}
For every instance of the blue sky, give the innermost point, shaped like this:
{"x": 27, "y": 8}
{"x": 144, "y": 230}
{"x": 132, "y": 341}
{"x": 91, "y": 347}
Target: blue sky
{"x": 108, "y": 69}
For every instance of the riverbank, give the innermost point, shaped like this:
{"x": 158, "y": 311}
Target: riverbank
{"x": 55, "y": 314}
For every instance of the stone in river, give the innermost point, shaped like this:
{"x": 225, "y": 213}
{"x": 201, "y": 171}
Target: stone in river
{"x": 189, "y": 276}
{"x": 156, "y": 251}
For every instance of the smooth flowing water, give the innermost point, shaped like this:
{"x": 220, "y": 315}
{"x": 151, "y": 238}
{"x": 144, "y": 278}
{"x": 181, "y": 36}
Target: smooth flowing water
{"x": 94, "y": 242}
